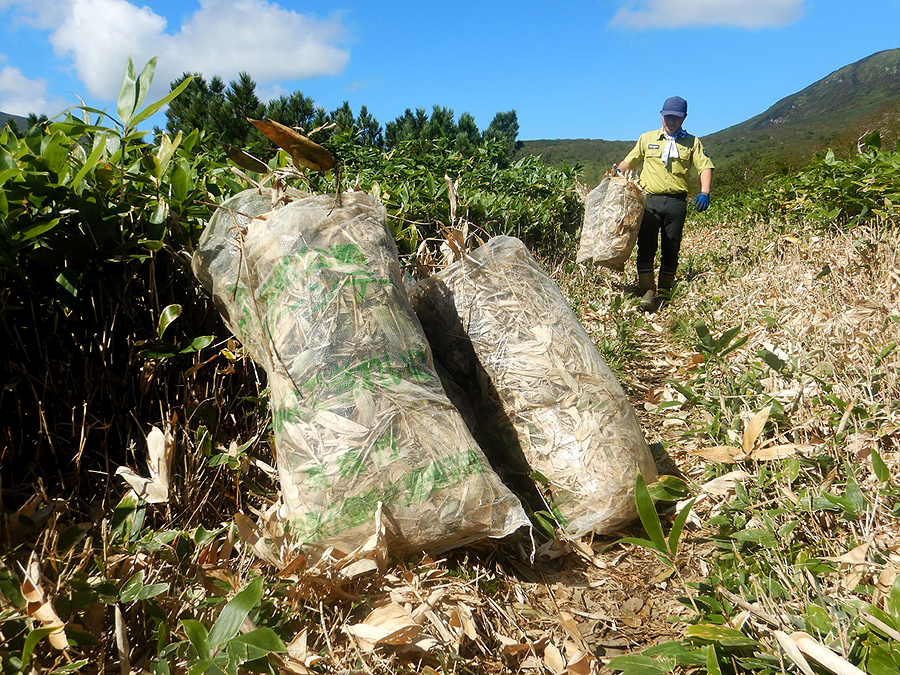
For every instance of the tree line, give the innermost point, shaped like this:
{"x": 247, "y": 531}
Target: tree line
{"x": 221, "y": 112}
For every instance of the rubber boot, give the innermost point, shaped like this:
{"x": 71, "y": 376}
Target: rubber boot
{"x": 647, "y": 291}
{"x": 666, "y": 282}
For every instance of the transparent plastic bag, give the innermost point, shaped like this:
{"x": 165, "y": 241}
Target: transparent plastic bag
{"x": 506, "y": 334}
{"x": 612, "y": 218}
{"x": 312, "y": 288}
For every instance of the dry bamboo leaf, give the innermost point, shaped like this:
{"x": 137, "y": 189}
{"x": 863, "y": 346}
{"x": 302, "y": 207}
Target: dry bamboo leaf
{"x": 823, "y": 655}
{"x": 122, "y": 646}
{"x": 754, "y": 429}
{"x": 245, "y": 160}
{"x": 553, "y": 659}
{"x": 855, "y": 556}
{"x": 881, "y": 625}
{"x": 303, "y": 151}
{"x": 781, "y": 451}
{"x": 510, "y": 646}
{"x": 579, "y": 662}
{"x": 299, "y": 660}
{"x": 724, "y": 454}
{"x": 722, "y": 485}
{"x": 155, "y": 489}
{"x": 40, "y": 609}
{"x": 567, "y": 621}
{"x": 371, "y": 556}
{"x": 793, "y": 652}
{"x": 391, "y": 625}
{"x": 261, "y": 545}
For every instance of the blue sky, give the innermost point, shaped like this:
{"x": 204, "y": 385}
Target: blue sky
{"x": 597, "y": 69}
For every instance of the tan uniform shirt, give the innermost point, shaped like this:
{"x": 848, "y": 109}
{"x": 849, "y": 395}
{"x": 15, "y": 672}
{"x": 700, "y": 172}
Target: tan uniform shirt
{"x": 672, "y": 177}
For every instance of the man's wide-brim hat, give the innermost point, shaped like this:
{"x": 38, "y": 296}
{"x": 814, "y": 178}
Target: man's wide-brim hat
{"x": 675, "y": 105}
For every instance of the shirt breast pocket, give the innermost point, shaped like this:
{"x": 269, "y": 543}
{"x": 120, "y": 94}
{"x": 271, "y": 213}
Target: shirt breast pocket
{"x": 685, "y": 157}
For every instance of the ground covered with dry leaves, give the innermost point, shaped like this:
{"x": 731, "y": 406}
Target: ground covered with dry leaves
{"x": 815, "y": 319}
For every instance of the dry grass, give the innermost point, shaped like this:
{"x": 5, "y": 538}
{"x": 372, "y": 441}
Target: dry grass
{"x": 494, "y": 608}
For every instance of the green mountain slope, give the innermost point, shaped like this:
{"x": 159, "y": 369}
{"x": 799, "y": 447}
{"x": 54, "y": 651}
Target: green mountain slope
{"x": 831, "y": 113}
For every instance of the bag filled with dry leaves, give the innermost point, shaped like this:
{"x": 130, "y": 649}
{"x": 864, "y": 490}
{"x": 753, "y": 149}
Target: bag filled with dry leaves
{"x": 312, "y": 288}
{"x": 503, "y": 329}
{"x": 612, "y": 218}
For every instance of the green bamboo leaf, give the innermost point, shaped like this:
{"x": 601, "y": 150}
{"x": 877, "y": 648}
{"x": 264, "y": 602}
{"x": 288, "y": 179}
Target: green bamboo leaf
{"x": 648, "y": 515}
{"x": 727, "y": 637}
{"x": 668, "y": 489}
{"x": 142, "y": 85}
{"x": 233, "y": 614}
{"x": 66, "y": 285}
{"x": 91, "y": 161}
{"x": 35, "y": 230}
{"x": 197, "y": 344}
{"x": 678, "y": 527}
{"x": 879, "y": 468}
{"x": 772, "y": 360}
{"x": 31, "y": 641}
{"x": 73, "y": 667}
{"x": 198, "y": 637}
{"x": 638, "y": 664}
{"x": 131, "y": 587}
{"x": 712, "y": 662}
{"x": 126, "y": 102}
{"x": 151, "y": 591}
{"x": 153, "y": 107}
{"x": 706, "y": 339}
{"x": 645, "y": 543}
{"x": 254, "y": 645}
{"x": 168, "y": 315}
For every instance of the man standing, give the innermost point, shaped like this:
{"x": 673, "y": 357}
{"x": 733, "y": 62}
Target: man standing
{"x": 667, "y": 155}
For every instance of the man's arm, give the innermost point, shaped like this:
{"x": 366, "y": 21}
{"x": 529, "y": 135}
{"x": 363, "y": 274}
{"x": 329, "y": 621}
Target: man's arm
{"x": 705, "y": 180}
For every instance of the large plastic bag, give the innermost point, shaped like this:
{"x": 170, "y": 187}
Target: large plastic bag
{"x": 504, "y": 331}
{"x": 312, "y": 288}
{"x": 612, "y": 218}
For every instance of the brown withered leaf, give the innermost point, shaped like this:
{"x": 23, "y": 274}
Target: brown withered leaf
{"x": 244, "y": 159}
{"x": 754, "y": 429}
{"x": 553, "y": 659}
{"x": 303, "y": 151}
{"x": 391, "y": 624}
{"x": 39, "y": 608}
{"x": 724, "y": 454}
{"x": 781, "y": 451}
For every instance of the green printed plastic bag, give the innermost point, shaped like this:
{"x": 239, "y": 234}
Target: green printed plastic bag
{"x": 313, "y": 290}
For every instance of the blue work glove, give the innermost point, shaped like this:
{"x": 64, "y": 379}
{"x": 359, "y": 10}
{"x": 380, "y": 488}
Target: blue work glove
{"x": 701, "y": 203}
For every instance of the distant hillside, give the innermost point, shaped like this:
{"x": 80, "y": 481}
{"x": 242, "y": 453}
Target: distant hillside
{"x": 21, "y": 123}
{"x": 596, "y": 156}
{"x": 831, "y": 113}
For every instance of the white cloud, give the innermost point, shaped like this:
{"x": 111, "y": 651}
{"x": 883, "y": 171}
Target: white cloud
{"x": 100, "y": 35}
{"x": 222, "y": 37}
{"x": 751, "y": 14}
{"x": 21, "y": 96}
{"x": 226, "y": 37}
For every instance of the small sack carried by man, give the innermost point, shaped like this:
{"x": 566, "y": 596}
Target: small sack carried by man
{"x": 612, "y": 218}
{"x": 503, "y": 329}
{"x": 361, "y": 422}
